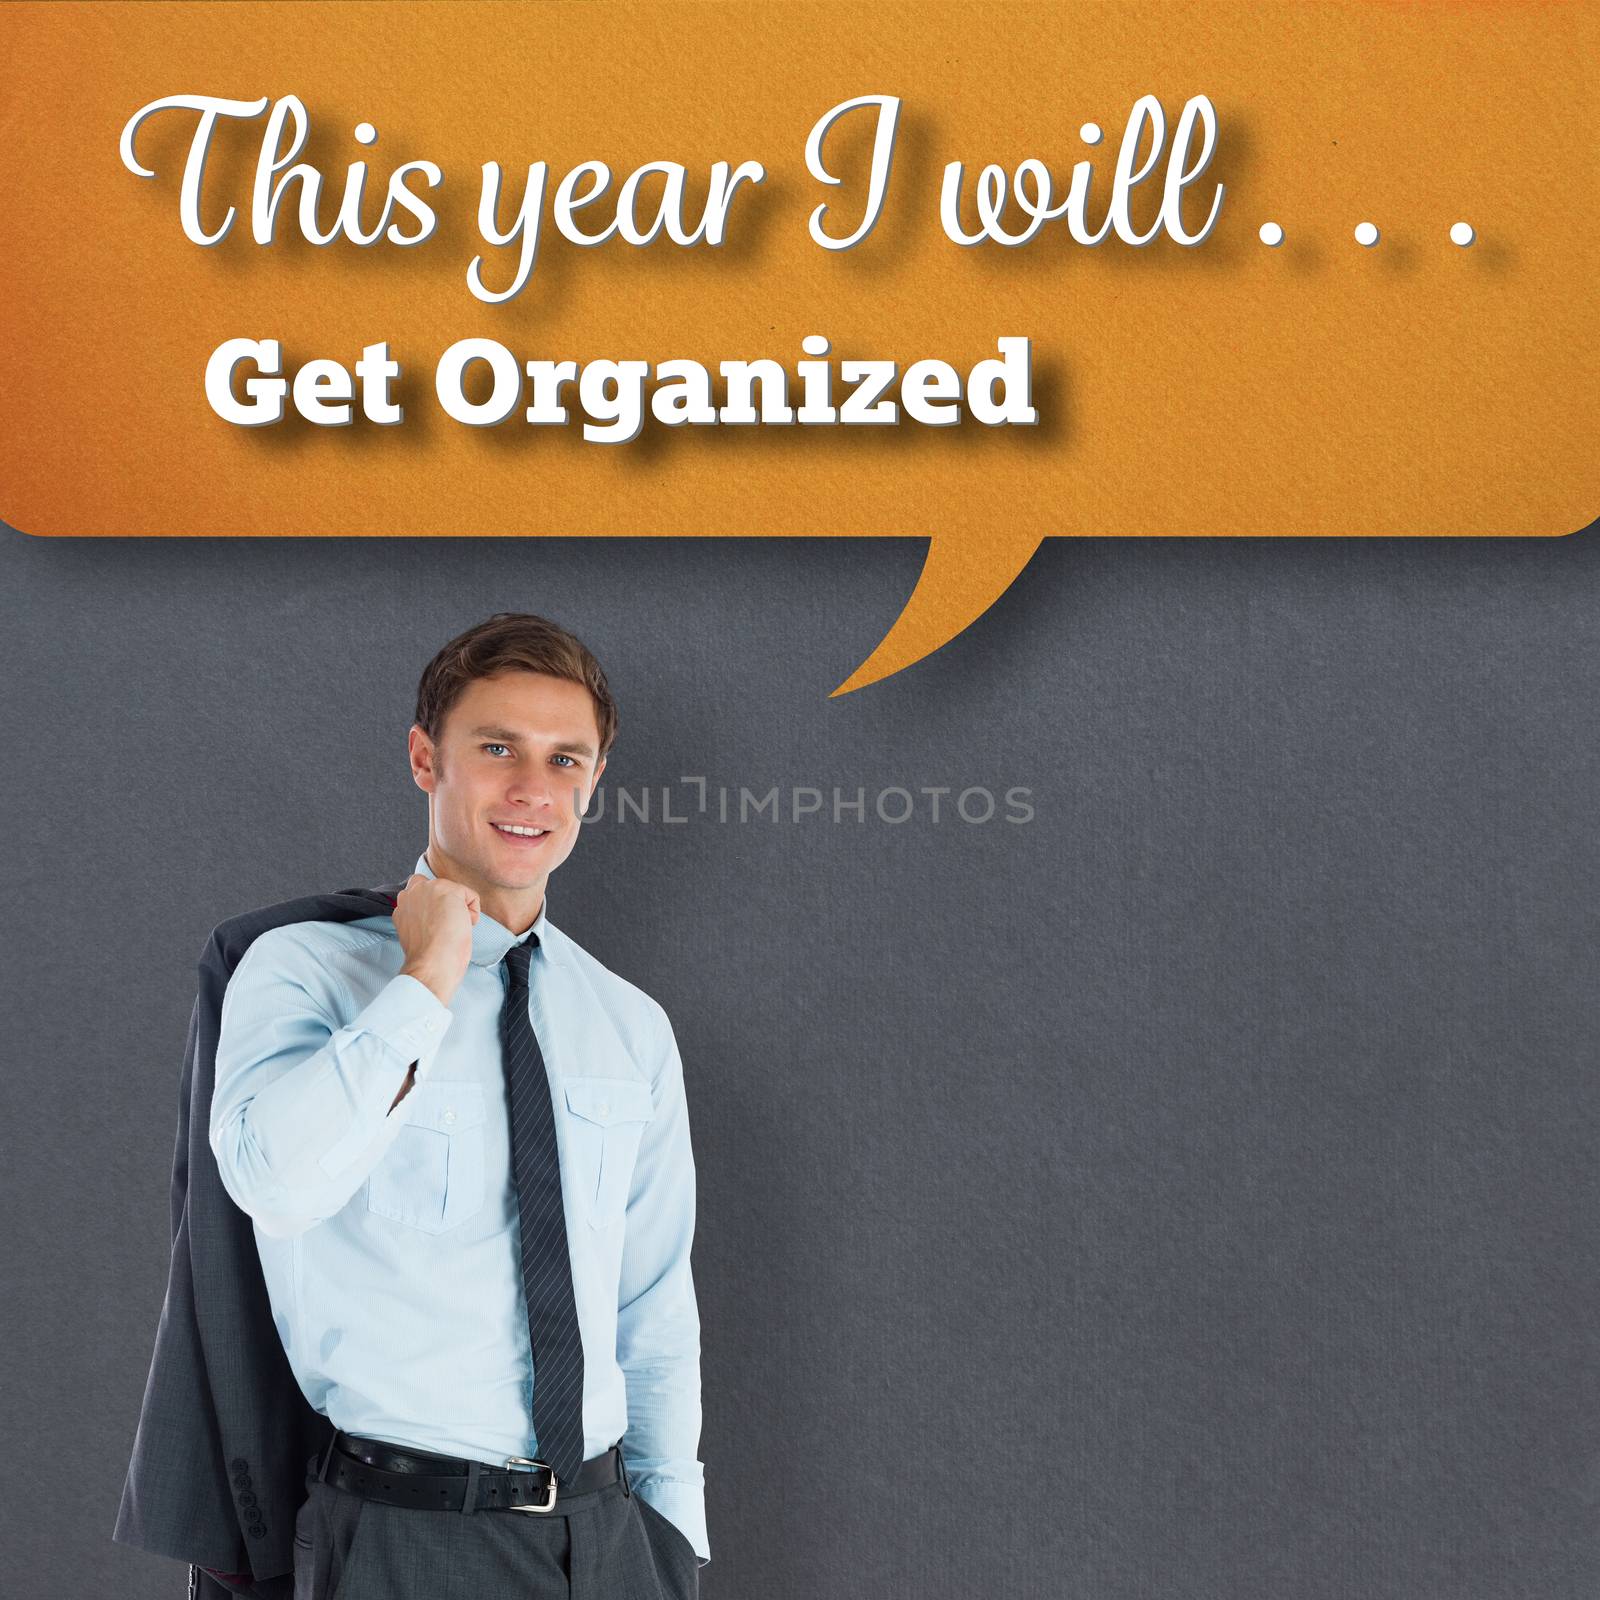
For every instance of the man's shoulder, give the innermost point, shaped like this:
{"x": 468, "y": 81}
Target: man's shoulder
{"x": 317, "y": 938}
{"x": 626, "y": 1000}
{"x": 312, "y": 928}
{"x": 339, "y": 966}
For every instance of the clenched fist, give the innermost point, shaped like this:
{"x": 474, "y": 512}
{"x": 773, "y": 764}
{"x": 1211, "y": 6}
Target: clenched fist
{"x": 434, "y": 918}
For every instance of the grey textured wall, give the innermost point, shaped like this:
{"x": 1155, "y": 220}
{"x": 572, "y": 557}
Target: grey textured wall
{"x": 1190, "y": 1192}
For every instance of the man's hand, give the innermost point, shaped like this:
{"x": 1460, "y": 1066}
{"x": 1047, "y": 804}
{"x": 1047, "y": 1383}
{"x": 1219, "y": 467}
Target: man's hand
{"x": 435, "y": 918}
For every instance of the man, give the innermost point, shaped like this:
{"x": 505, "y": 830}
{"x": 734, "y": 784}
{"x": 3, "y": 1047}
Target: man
{"x": 464, "y": 1147}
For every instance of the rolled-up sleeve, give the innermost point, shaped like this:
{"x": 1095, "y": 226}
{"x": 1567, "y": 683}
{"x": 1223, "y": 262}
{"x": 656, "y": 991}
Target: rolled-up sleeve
{"x": 300, "y": 1114}
{"x": 658, "y": 1322}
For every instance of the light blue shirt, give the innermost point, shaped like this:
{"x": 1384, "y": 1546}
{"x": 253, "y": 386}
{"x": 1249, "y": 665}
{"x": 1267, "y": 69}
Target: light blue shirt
{"x": 390, "y": 1240}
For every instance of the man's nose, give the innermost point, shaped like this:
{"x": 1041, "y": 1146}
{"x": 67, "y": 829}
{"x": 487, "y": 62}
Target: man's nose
{"x": 534, "y": 789}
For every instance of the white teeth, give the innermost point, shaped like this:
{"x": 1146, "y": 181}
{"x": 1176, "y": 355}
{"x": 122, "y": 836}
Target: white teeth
{"x": 521, "y": 833}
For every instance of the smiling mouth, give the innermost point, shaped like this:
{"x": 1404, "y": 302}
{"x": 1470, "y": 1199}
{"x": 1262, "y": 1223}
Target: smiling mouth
{"x": 518, "y": 833}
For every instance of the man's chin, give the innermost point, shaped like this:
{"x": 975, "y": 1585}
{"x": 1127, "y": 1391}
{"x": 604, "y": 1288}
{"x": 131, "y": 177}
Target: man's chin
{"x": 515, "y": 866}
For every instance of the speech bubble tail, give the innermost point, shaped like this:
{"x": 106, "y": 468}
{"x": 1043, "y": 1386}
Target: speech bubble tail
{"x": 959, "y": 582}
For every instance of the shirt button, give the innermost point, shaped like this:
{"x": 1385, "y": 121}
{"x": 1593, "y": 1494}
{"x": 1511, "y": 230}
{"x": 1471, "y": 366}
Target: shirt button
{"x": 450, "y": 1114}
{"x": 604, "y": 1108}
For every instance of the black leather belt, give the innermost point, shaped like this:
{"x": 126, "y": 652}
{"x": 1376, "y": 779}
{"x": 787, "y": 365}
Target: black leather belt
{"x": 399, "y": 1477}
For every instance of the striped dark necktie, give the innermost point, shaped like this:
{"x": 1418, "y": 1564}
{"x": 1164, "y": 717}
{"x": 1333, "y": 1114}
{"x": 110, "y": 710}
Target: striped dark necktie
{"x": 546, "y": 1265}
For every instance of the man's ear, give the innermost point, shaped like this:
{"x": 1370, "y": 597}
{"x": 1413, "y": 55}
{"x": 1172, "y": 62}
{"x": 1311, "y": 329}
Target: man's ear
{"x": 420, "y": 748}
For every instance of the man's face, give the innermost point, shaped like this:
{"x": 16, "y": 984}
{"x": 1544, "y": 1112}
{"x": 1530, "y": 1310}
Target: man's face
{"x": 518, "y": 749}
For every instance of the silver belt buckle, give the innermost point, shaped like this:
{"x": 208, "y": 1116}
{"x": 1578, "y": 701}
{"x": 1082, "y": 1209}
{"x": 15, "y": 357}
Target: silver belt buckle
{"x": 516, "y": 1462}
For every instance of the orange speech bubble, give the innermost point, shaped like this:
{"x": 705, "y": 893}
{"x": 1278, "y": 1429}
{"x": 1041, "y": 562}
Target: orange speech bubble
{"x": 1248, "y": 367}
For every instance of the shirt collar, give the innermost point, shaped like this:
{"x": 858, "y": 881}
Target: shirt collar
{"x": 491, "y": 939}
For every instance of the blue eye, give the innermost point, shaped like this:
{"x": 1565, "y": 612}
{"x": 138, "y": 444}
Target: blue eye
{"x": 568, "y": 759}
{"x": 495, "y": 747}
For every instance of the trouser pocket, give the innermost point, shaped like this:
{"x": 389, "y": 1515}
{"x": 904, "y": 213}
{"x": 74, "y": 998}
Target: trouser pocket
{"x": 677, "y": 1566}
{"x": 326, "y": 1529}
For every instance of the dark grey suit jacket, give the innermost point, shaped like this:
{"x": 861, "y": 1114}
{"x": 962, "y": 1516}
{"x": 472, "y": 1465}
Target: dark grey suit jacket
{"x": 219, "y": 1459}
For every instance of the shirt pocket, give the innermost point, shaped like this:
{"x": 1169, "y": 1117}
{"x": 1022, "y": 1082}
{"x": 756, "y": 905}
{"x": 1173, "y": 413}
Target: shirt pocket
{"x": 607, "y": 1118}
{"x": 431, "y": 1177}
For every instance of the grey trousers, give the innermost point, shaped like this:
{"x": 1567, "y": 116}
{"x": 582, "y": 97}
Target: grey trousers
{"x": 607, "y": 1545}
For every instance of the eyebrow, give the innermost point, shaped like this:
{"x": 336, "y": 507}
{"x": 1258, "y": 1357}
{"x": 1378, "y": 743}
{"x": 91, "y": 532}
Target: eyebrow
{"x": 571, "y": 747}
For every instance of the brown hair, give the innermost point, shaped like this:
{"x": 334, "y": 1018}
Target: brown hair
{"x": 512, "y": 641}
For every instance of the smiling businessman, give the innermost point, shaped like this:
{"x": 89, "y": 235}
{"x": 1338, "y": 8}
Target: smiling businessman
{"x": 463, "y": 1147}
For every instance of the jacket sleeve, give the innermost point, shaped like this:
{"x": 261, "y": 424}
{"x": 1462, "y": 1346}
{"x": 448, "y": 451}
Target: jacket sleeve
{"x": 301, "y": 1110}
{"x": 658, "y": 1323}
